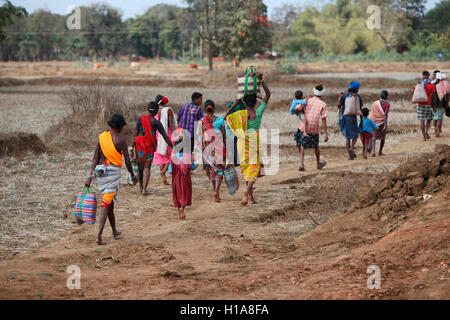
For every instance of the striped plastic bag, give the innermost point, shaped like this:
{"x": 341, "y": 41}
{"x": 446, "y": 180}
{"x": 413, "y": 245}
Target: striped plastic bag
{"x": 248, "y": 83}
{"x": 86, "y": 206}
{"x": 231, "y": 179}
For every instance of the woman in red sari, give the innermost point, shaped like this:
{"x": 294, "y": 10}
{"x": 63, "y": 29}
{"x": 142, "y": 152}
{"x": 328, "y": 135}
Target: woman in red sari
{"x": 144, "y": 141}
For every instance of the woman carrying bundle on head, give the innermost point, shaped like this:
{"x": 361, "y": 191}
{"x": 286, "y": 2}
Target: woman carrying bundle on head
{"x": 169, "y": 123}
{"x": 213, "y": 147}
{"x": 245, "y": 125}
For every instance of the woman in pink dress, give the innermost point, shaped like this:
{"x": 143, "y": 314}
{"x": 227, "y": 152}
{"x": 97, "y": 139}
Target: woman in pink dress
{"x": 163, "y": 151}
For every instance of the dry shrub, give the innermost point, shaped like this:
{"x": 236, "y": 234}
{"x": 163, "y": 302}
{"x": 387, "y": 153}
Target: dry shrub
{"x": 92, "y": 107}
{"x": 97, "y": 97}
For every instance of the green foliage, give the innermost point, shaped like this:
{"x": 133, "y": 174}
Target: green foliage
{"x": 7, "y": 12}
{"x": 236, "y": 29}
{"x": 287, "y": 68}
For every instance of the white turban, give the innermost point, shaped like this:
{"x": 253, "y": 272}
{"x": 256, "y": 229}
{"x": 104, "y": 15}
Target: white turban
{"x": 318, "y": 93}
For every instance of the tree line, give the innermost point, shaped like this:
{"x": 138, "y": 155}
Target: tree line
{"x": 235, "y": 29}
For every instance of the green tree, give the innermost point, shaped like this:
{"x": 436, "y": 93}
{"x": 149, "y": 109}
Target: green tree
{"x": 246, "y": 29}
{"x": 7, "y": 12}
{"x": 103, "y": 29}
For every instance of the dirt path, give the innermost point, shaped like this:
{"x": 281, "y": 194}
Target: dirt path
{"x": 226, "y": 251}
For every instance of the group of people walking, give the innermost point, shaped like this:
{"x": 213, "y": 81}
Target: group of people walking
{"x": 169, "y": 140}
{"x": 437, "y": 89}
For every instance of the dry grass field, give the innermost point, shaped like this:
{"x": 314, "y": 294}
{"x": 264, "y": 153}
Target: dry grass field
{"x": 306, "y": 237}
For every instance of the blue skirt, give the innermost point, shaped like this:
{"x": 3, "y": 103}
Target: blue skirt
{"x": 349, "y": 127}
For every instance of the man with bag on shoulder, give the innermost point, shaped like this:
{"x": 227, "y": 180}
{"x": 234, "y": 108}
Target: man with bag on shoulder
{"x": 350, "y": 105}
{"x": 106, "y": 168}
{"x": 424, "y": 108}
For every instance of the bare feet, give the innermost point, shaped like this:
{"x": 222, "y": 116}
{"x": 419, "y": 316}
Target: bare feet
{"x": 164, "y": 180}
{"x": 374, "y": 154}
{"x": 117, "y": 235}
{"x": 428, "y": 136}
{"x": 244, "y": 201}
{"x": 380, "y": 154}
{"x": 145, "y": 193}
{"x": 216, "y": 197}
{"x": 181, "y": 215}
{"x": 100, "y": 242}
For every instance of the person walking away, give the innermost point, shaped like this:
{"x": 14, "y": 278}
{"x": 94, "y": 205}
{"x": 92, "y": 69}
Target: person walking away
{"x": 245, "y": 125}
{"x": 379, "y": 115}
{"x": 350, "y": 105}
{"x": 106, "y": 168}
{"x": 169, "y": 123}
{"x": 144, "y": 143}
{"x": 181, "y": 164}
{"x": 187, "y": 118}
{"x": 366, "y": 128}
{"x": 308, "y": 132}
{"x": 440, "y": 101}
{"x": 213, "y": 147}
{"x": 232, "y": 153}
{"x": 424, "y": 110}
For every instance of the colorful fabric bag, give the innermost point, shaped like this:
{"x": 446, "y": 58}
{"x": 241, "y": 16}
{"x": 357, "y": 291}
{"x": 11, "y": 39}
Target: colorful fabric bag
{"x": 86, "y": 206}
{"x": 248, "y": 83}
{"x": 231, "y": 179}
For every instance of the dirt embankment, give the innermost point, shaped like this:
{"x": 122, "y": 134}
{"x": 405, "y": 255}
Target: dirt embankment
{"x": 18, "y": 144}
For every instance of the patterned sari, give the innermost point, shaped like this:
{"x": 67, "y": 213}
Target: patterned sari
{"x": 213, "y": 151}
{"x": 248, "y": 145}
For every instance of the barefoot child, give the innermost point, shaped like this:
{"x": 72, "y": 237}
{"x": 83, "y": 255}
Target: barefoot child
{"x": 181, "y": 165}
{"x": 106, "y": 167}
{"x": 366, "y": 128}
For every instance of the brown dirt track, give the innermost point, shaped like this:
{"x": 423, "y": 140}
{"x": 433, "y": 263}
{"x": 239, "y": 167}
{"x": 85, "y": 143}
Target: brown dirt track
{"x": 224, "y": 251}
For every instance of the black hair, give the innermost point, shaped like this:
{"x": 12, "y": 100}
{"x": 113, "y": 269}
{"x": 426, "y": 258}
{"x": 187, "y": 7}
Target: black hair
{"x": 153, "y": 107}
{"x": 210, "y": 103}
{"x": 158, "y": 98}
{"x": 319, "y": 87}
{"x": 117, "y": 121}
{"x": 196, "y": 95}
{"x": 436, "y": 71}
{"x": 425, "y": 73}
{"x": 353, "y": 90}
{"x": 365, "y": 112}
{"x": 298, "y": 94}
{"x": 250, "y": 100}
{"x": 384, "y": 94}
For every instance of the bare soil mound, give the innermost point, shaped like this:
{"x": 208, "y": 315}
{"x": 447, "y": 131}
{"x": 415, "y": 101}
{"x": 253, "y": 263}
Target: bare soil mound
{"x": 417, "y": 179}
{"x": 18, "y": 144}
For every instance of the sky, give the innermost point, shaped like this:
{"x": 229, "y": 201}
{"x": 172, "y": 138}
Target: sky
{"x": 131, "y": 8}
